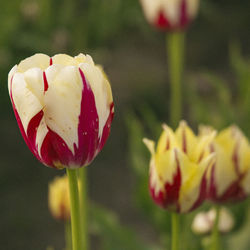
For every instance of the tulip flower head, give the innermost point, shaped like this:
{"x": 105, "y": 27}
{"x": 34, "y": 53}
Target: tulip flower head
{"x": 63, "y": 106}
{"x": 59, "y": 202}
{"x": 178, "y": 168}
{"x": 169, "y": 15}
{"x": 229, "y": 178}
{"x": 203, "y": 222}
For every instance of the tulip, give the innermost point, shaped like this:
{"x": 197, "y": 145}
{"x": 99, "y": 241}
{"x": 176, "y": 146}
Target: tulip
{"x": 229, "y": 178}
{"x": 203, "y": 222}
{"x": 63, "y": 106}
{"x": 178, "y": 168}
{"x": 170, "y": 15}
{"x": 59, "y": 202}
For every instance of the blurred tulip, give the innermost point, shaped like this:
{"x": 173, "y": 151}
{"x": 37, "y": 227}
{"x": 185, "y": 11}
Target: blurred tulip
{"x": 203, "y": 222}
{"x": 59, "y": 202}
{"x": 63, "y": 106}
{"x": 170, "y": 14}
{"x": 229, "y": 178}
{"x": 178, "y": 168}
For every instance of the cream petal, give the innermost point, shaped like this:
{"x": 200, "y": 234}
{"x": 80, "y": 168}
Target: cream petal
{"x": 41, "y": 61}
{"x": 35, "y": 83}
{"x": 63, "y": 102}
{"x": 10, "y": 75}
{"x": 172, "y": 10}
{"x": 64, "y": 60}
{"x": 151, "y": 9}
{"x": 26, "y": 103}
{"x": 192, "y": 7}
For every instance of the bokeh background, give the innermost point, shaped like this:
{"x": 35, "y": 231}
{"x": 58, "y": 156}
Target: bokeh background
{"x": 116, "y": 34}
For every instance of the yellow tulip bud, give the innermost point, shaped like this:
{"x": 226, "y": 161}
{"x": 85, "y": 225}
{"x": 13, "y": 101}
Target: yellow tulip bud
{"x": 229, "y": 178}
{"x": 178, "y": 168}
{"x": 59, "y": 202}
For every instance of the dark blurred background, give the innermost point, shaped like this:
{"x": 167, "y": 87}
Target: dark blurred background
{"x": 116, "y": 34}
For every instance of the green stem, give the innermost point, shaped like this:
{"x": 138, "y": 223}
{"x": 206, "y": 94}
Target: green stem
{"x": 68, "y": 241}
{"x": 74, "y": 209}
{"x": 215, "y": 237}
{"x": 175, "y": 54}
{"x": 175, "y": 231}
{"x": 83, "y": 206}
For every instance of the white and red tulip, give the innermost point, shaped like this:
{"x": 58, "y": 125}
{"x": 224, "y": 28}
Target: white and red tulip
{"x": 170, "y": 15}
{"x": 63, "y": 106}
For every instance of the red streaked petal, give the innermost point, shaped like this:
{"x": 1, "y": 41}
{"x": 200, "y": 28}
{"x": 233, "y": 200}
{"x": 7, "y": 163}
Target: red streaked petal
{"x": 162, "y": 21}
{"x": 88, "y": 127}
{"x": 106, "y": 129}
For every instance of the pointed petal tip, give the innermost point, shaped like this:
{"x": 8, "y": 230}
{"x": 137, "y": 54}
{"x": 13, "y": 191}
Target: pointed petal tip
{"x": 150, "y": 145}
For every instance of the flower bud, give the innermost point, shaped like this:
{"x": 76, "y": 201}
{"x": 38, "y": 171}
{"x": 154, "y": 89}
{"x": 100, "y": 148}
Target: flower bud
{"x": 229, "y": 176}
{"x": 204, "y": 221}
{"x": 63, "y": 106}
{"x": 170, "y": 14}
{"x": 178, "y": 168}
{"x": 59, "y": 201}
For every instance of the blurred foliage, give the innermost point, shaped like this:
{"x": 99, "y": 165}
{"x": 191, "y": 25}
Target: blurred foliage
{"x": 113, "y": 236}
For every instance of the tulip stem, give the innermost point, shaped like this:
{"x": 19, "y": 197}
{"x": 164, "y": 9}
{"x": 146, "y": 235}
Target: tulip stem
{"x": 175, "y": 231}
{"x": 175, "y": 54}
{"x": 68, "y": 241}
{"x": 215, "y": 237}
{"x": 74, "y": 209}
{"x": 82, "y": 174}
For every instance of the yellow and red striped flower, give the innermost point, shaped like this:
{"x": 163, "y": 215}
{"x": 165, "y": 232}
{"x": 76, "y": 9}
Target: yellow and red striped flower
{"x": 229, "y": 178}
{"x": 58, "y": 198}
{"x": 63, "y": 106}
{"x": 178, "y": 168}
{"x": 170, "y": 14}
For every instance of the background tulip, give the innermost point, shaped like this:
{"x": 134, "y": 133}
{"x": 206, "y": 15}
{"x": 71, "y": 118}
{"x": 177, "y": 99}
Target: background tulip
{"x": 170, "y": 14}
{"x": 178, "y": 167}
{"x": 204, "y": 221}
{"x": 229, "y": 176}
{"x": 59, "y": 203}
{"x": 63, "y": 106}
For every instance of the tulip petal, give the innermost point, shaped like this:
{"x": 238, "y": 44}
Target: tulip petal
{"x": 41, "y": 61}
{"x": 192, "y": 176}
{"x": 101, "y": 91}
{"x": 63, "y": 102}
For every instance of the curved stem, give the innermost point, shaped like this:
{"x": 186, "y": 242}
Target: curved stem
{"x": 83, "y": 206}
{"x": 175, "y": 231}
{"x": 175, "y": 54}
{"x": 215, "y": 237}
{"x": 74, "y": 209}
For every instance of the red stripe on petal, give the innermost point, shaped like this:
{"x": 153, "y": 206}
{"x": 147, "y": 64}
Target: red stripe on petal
{"x": 55, "y": 152}
{"x": 88, "y": 128}
{"x": 168, "y": 198}
{"x": 233, "y": 193}
{"x": 162, "y": 21}
{"x": 172, "y": 192}
{"x": 45, "y": 82}
{"x": 106, "y": 129}
{"x": 50, "y": 61}
{"x": 184, "y": 19}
